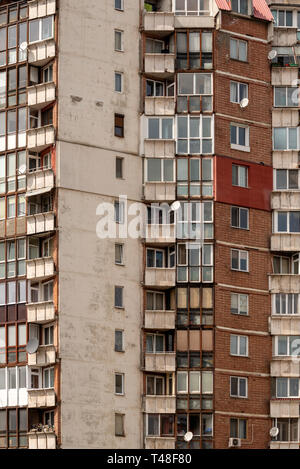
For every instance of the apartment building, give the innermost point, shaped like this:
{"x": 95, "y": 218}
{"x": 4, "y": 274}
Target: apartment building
{"x": 182, "y": 334}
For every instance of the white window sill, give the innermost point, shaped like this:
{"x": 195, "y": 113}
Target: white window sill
{"x": 239, "y": 147}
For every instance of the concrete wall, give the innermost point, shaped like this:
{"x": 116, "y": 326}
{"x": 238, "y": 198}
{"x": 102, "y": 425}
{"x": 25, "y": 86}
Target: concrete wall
{"x": 86, "y": 152}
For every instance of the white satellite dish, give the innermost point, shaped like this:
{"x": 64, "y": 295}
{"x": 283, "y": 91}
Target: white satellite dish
{"x": 244, "y": 103}
{"x": 188, "y": 436}
{"x": 272, "y": 54}
{"x": 23, "y": 46}
{"x": 175, "y": 205}
{"x": 32, "y": 346}
{"x": 22, "y": 169}
{"x": 274, "y": 432}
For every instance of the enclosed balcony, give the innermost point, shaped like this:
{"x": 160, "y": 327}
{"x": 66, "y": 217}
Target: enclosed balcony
{"x": 160, "y": 320}
{"x": 160, "y": 191}
{"x": 288, "y": 283}
{"x": 287, "y": 408}
{"x": 45, "y": 355}
{"x": 160, "y": 65}
{"x": 40, "y": 53}
{"x": 158, "y": 22}
{"x": 285, "y": 242}
{"x": 160, "y": 277}
{"x": 161, "y": 234}
{"x": 39, "y": 398}
{"x": 42, "y": 439}
{"x": 159, "y": 106}
{"x": 40, "y": 182}
{"x": 39, "y": 8}
{"x": 159, "y": 443}
{"x": 41, "y": 312}
{"x": 40, "y": 138}
{"x": 40, "y": 269}
{"x": 40, "y": 222}
{"x": 41, "y": 95}
{"x": 160, "y": 362}
{"x": 160, "y": 404}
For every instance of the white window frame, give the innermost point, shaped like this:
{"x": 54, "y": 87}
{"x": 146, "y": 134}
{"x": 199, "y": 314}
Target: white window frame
{"x": 195, "y": 74}
{"x": 238, "y": 41}
{"x": 239, "y": 217}
{"x": 286, "y": 301}
{"x": 239, "y": 175}
{"x": 237, "y": 146}
{"x": 40, "y": 29}
{"x": 155, "y": 293}
{"x": 238, "y": 85}
{"x": 156, "y": 377}
{"x": 186, "y": 12}
{"x": 121, "y": 75}
{"x": 122, "y": 254}
{"x": 122, "y": 335}
{"x": 155, "y": 251}
{"x": 121, "y": 32}
{"x": 286, "y": 146}
{"x": 275, "y": 221}
{"x": 276, "y": 17}
{"x": 121, "y": 8}
{"x": 238, "y": 354}
{"x": 239, "y": 295}
{"x": 289, "y": 339}
{"x": 122, "y": 289}
{"x": 287, "y": 188}
{"x": 160, "y": 133}
{"x": 189, "y": 139}
{"x": 154, "y": 87}
{"x": 239, "y": 379}
{"x": 122, "y": 393}
{"x": 286, "y": 88}
{"x": 288, "y": 396}
{"x": 239, "y": 8}
{"x": 154, "y": 343}
{"x": 162, "y": 172}
{"x": 239, "y": 260}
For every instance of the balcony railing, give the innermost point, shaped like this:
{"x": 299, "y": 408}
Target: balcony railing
{"x": 159, "y": 106}
{"x": 40, "y": 313}
{"x": 45, "y": 355}
{"x": 159, "y": 442}
{"x": 158, "y": 21}
{"x": 39, "y": 8}
{"x": 288, "y": 283}
{"x": 284, "y": 409}
{"x": 162, "y": 65}
{"x": 165, "y": 277}
{"x": 38, "y": 398}
{"x": 40, "y": 182}
{"x": 41, "y": 268}
{"x": 44, "y": 439}
{"x": 160, "y": 362}
{"x": 160, "y": 320}
{"x": 40, "y": 53}
{"x": 160, "y": 191}
{"x": 40, "y": 138}
{"x": 41, "y": 95}
{"x": 285, "y": 242}
{"x": 160, "y": 404}
{"x": 40, "y": 223}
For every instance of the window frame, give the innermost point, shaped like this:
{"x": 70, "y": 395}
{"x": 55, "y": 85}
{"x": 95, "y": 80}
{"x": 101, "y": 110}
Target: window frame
{"x": 238, "y": 354}
{"x": 121, "y": 32}
{"x": 239, "y": 379}
{"x": 238, "y": 146}
{"x": 238, "y": 41}
{"x": 239, "y": 269}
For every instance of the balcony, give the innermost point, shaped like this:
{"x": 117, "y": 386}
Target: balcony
{"x": 40, "y": 313}
{"x": 152, "y": 442}
{"x": 160, "y": 234}
{"x": 40, "y": 138}
{"x": 284, "y": 76}
{"x": 282, "y": 367}
{"x": 160, "y": 320}
{"x": 39, "y": 8}
{"x": 40, "y": 223}
{"x": 159, "y": 106}
{"x": 45, "y": 355}
{"x": 285, "y": 242}
{"x": 284, "y": 445}
{"x": 160, "y": 191}
{"x": 285, "y": 159}
{"x": 41, "y": 95}
{"x": 160, "y": 404}
{"x": 160, "y": 362}
{"x": 45, "y": 439}
{"x": 284, "y": 37}
{"x": 159, "y": 148}
{"x": 160, "y": 65}
{"x": 284, "y": 408}
{"x": 287, "y": 283}
{"x": 282, "y": 117}
{"x": 202, "y": 21}
{"x": 165, "y": 277}
{"x": 40, "y": 53}
{"x": 40, "y": 182}
{"x": 40, "y": 269}
{"x": 285, "y": 325}
{"x": 41, "y": 398}
{"x": 158, "y": 22}
{"x": 285, "y": 200}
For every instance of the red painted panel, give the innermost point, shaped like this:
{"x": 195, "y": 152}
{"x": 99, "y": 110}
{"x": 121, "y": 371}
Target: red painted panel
{"x": 260, "y": 183}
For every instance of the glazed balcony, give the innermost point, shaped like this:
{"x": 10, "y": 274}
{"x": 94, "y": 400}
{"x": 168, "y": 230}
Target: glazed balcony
{"x": 152, "y": 442}
{"x": 40, "y": 138}
{"x": 286, "y": 408}
{"x": 41, "y": 95}
{"x": 40, "y": 269}
{"x": 40, "y": 223}
{"x": 160, "y": 65}
{"x": 41, "y": 312}
{"x": 158, "y": 22}
{"x": 287, "y": 283}
{"x": 160, "y": 320}
{"x": 282, "y": 367}
{"x": 285, "y": 242}
{"x": 40, "y": 182}
{"x": 159, "y": 148}
{"x": 285, "y": 200}
{"x": 40, "y": 398}
{"x": 44, "y": 439}
{"x": 160, "y": 191}
{"x": 160, "y": 362}
{"x": 160, "y": 404}
{"x": 284, "y": 76}
{"x": 39, "y": 8}
{"x": 40, "y": 53}
{"x": 45, "y": 356}
{"x": 161, "y": 234}
{"x": 160, "y": 277}
{"x": 159, "y": 106}
{"x": 285, "y": 325}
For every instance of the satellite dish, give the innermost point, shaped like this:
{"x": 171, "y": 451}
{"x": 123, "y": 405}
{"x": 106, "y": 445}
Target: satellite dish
{"x": 274, "y": 432}
{"x": 188, "y": 436}
{"x": 272, "y": 54}
{"x": 23, "y": 46}
{"x": 244, "y": 103}
{"x": 22, "y": 169}
{"x": 175, "y": 205}
{"x": 32, "y": 346}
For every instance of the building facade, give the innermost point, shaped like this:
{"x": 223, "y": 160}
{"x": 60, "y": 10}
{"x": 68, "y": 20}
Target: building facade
{"x": 186, "y": 113}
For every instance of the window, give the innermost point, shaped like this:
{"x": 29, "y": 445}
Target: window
{"x": 10, "y": 421}
{"x": 240, "y": 218}
{"x": 155, "y": 343}
{"x": 238, "y": 428}
{"x": 239, "y": 345}
{"x": 48, "y": 378}
{"x": 192, "y": 8}
{"x": 119, "y": 4}
{"x": 119, "y": 425}
{"x": 195, "y": 176}
{"x": 159, "y": 425}
{"x": 119, "y": 383}
{"x": 238, "y": 49}
{"x": 119, "y": 82}
{"x": 49, "y": 418}
{"x": 194, "y": 135}
{"x": 285, "y": 303}
{"x": 281, "y": 265}
{"x": 286, "y": 179}
{"x": 238, "y": 387}
{"x": 13, "y": 340}
{"x": 160, "y": 170}
{"x": 195, "y": 221}
{"x": 119, "y": 125}
{"x": 194, "y": 382}
{"x": 154, "y": 46}
{"x": 286, "y": 96}
{"x": 287, "y": 345}
{"x": 194, "y": 50}
{"x": 119, "y": 341}
{"x": 239, "y": 303}
{"x": 239, "y": 260}
{"x": 190, "y": 258}
{"x": 160, "y": 127}
{"x": 119, "y": 254}
{"x": 238, "y": 91}
{"x": 13, "y": 264}
{"x": 288, "y": 429}
{"x": 119, "y": 40}
{"x": 119, "y": 168}
{"x": 286, "y": 138}
{"x": 240, "y": 6}
{"x": 239, "y": 137}
{"x": 119, "y": 208}
{"x": 119, "y": 297}
{"x": 155, "y": 88}
{"x": 239, "y": 176}
{"x": 155, "y": 258}
{"x": 287, "y": 387}
{"x": 155, "y": 386}
{"x": 41, "y": 29}
{"x": 283, "y": 18}
{"x": 287, "y": 222}
{"x": 48, "y": 335}
{"x": 194, "y": 92}
{"x": 155, "y": 301}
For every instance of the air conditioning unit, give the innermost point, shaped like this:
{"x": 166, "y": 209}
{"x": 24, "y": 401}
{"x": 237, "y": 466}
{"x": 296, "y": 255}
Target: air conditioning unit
{"x": 234, "y": 442}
